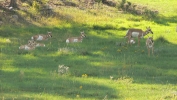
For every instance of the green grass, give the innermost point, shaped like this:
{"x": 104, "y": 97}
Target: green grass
{"x": 34, "y": 74}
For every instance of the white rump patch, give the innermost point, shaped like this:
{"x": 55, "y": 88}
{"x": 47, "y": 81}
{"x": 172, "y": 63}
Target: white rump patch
{"x": 40, "y": 37}
{"x": 67, "y": 41}
{"x": 135, "y": 34}
{"x": 75, "y": 40}
{"x": 27, "y": 48}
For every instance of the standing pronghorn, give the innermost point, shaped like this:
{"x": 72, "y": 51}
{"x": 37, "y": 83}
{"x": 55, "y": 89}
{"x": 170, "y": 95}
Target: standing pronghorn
{"x": 40, "y": 37}
{"x": 131, "y": 33}
{"x": 150, "y": 45}
{"x": 76, "y": 39}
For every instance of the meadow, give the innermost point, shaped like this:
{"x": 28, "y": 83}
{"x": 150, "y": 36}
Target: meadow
{"x": 96, "y": 69}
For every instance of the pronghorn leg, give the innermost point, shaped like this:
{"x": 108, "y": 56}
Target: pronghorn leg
{"x": 149, "y": 52}
{"x": 130, "y": 42}
{"x": 138, "y": 41}
{"x": 128, "y": 39}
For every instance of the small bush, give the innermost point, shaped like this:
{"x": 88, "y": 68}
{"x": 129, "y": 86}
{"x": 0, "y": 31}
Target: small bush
{"x": 62, "y": 69}
{"x": 105, "y": 27}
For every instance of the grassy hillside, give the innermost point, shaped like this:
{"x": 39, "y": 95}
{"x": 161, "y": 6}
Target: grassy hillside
{"x": 96, "y": 69}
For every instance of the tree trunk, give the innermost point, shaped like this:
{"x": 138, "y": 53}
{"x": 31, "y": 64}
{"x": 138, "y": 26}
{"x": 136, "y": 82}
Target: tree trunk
{"x": 13, "y": 3}
{"x": 104, "y": 1}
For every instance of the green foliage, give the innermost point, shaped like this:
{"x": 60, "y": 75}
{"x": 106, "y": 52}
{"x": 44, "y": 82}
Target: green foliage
{"x": 35, "y": 5}
{"x": 98, "y": 68}
{"x": 105, "y": 27}
{"x": 150, "y": 14}
{"x": 122, "y": 4}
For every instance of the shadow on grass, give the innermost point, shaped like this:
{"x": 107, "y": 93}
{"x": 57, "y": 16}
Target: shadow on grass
{"x": 112, "y": 62}
{"x": 99, "y": 58}
{"x": 96, "y": 56}
{"x": 54, "y": 85}
{"x": 163, "y": 20}
{"x": 159, "y": 19}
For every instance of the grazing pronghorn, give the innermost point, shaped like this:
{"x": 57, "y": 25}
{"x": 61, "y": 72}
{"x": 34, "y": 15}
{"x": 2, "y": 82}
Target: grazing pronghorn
{"x": 40, "y": 37}
{"x": 150, "y": 45}
{"x": 137, "y": 33}
{"x": 29, "y": 46}
{"x": 76, "y": 39}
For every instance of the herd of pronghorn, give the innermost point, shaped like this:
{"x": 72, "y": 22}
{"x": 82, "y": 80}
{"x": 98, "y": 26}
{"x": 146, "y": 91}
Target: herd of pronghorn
{"x": 131, "y": 34}
{"x": 32, "y": 44}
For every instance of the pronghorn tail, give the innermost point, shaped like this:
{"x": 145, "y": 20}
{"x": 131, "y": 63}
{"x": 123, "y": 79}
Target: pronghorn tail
{"x": 67, "y": 40}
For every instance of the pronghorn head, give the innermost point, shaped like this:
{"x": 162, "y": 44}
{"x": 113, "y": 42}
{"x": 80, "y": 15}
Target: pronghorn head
{"x": 83, "y": 34}
{"x": 31, "y": 42}
{"x": 49, "y": 34}
{"x": 148, "y": 30}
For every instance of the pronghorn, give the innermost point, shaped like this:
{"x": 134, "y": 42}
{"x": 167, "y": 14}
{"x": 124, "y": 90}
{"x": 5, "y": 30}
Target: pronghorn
{"x": 40, "y": 37}
{"x": 29, "y": 46}
{"x": 137, "y": 33}
{"x": 36, "y": 44}
{"x": 150, "y": 45}
{"x": 76, "y": 39}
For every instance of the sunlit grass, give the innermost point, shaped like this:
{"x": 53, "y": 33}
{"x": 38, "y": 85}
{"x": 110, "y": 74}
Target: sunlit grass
{"x": 98, "y": 68}
{"x": 159, "y": 5}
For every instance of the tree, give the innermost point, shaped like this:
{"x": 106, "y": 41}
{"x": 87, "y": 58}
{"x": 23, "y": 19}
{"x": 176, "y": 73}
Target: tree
{"x": 104, "y": 1}
{"x": 13, "y": 3}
